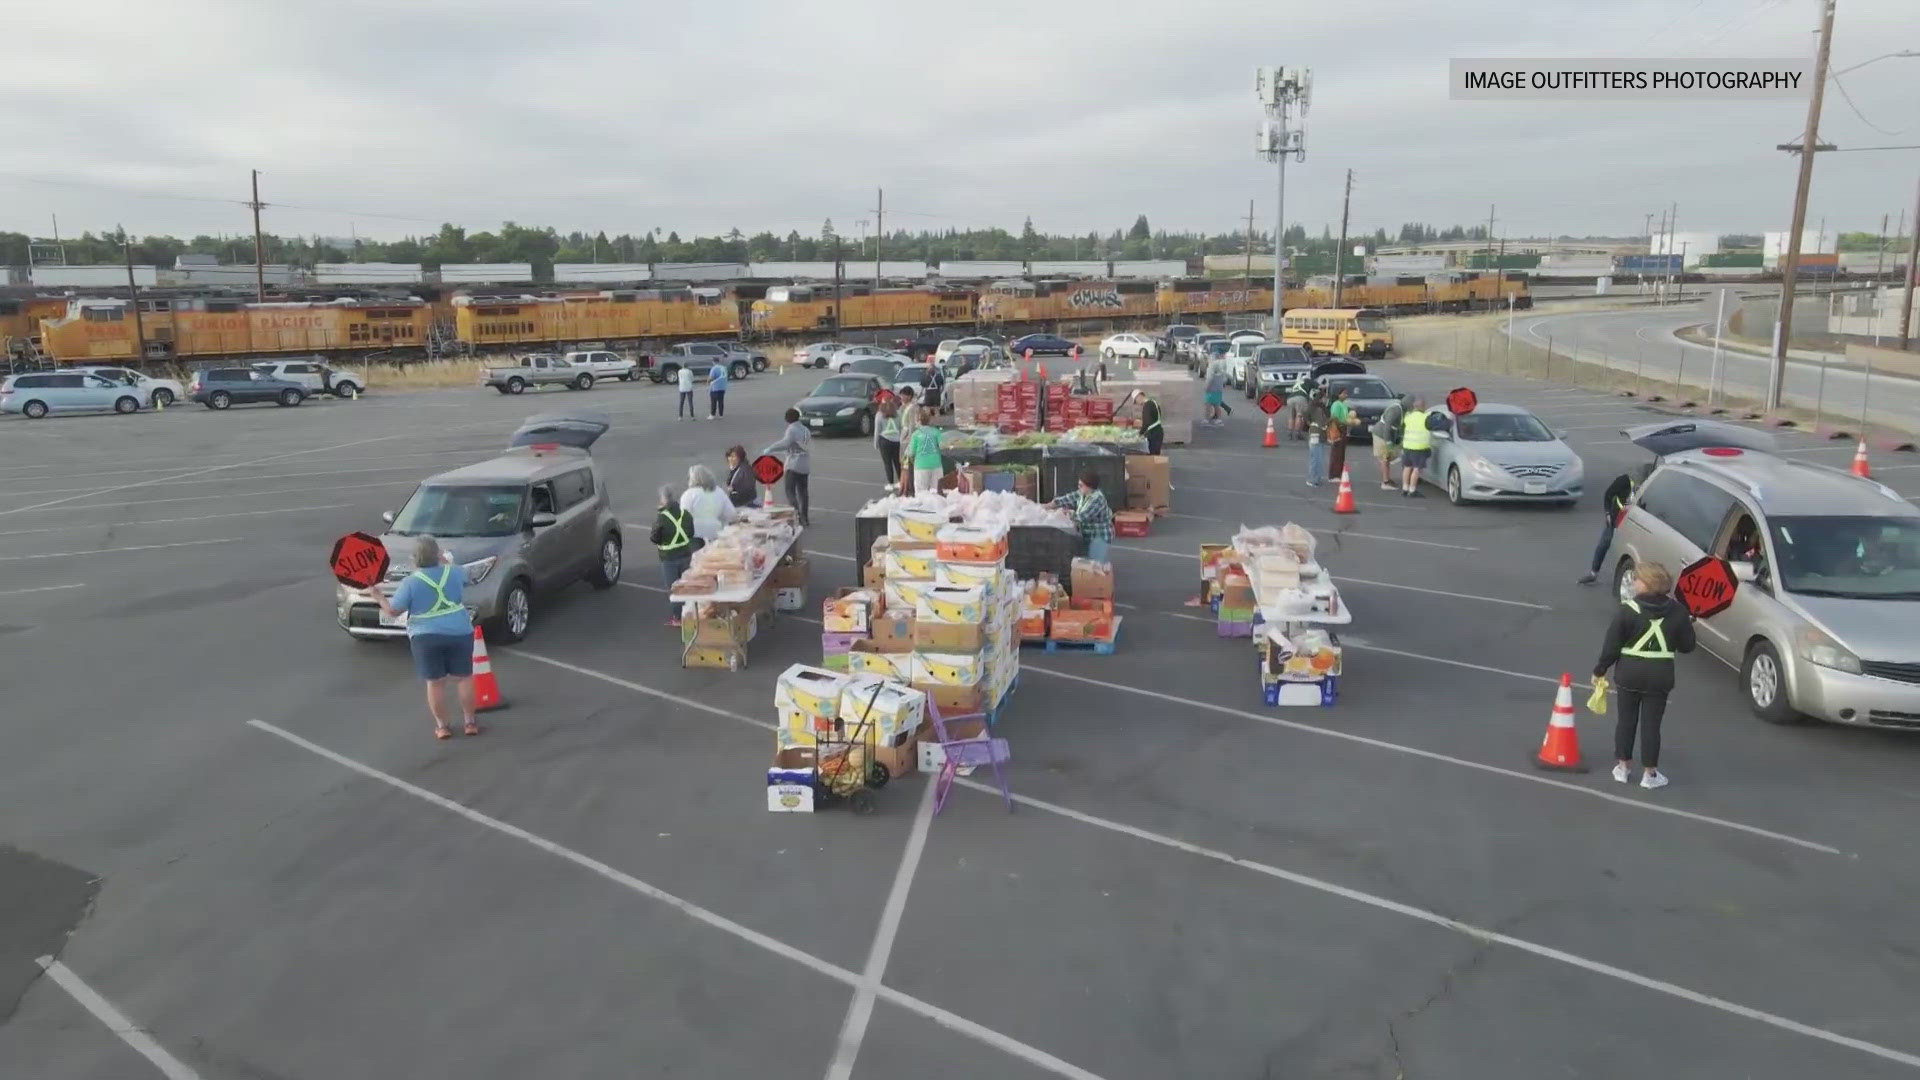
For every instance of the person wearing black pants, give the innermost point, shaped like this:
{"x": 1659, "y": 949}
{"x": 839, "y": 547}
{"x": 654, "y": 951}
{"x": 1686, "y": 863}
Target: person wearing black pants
{"x": 797, "y": 444}
{"x": 1613, "y": 505}
{"x": 1641, "y": 642}
{"x": 1150, "y": 424}
{"x": 886, "y": 436}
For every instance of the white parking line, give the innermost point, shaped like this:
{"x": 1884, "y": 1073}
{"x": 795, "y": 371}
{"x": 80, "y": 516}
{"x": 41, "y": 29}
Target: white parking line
{"x": 1354, "y": 580}
{"x": 1330, "y": 888}
{"x": 172, "y": 521}
{"x": 116, "y": 1021}
{"x": 1491, "y": 937}
{"x": 1431, "y": 755}
{"x": 42, "y": 588}
{"x": 115, "y": 551}
{"x": 952, "y": 1021}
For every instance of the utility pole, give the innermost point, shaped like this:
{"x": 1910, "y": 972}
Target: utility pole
{"x": 1913, "y": 251}
{"x": 133, "y": 299}
{"x": 879, "y": 231}
{"x": 1280, "y": 90}
{"x": 1346, "y": 204}
{"x": 56, "y": 228}
{"x": 259, "y": 249}
{"x": 1489, "y": 262}
{"x": 1249, "y": 272}
{"x": 1809, "y": 144}
{"x": 1673, "y": 220}
{"x": 1646, "y": 229}
{"x": 836, "y": 284}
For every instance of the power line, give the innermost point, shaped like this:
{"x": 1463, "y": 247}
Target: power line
{"x": 1848, "y": 98}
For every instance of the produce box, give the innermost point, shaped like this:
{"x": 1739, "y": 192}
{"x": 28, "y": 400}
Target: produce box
{"x": 848, "y": 611}
{"x": 790, "y": 781}
{"x": 1132, "y": 523}
{"x": 902, "y": 756}
{"x": 912, "y": 523}
{"x": 890, "y": 709}
{"x": 910, "y": 559}
{"x": 946, "y": 669}
{"x": 810, "y": 690}
{"x": 1150, "y": 483}
{"x": 893, "y": 626}
{"x": 951, "y": 604}
{"x": 953, "y": 700}
{"x": 945, "y": 637}
{"x": 1092, "y": 580}
{"x": 972, "y": 544}
{"x": 867, "y": 657}
{"x": 1075, "y": 625}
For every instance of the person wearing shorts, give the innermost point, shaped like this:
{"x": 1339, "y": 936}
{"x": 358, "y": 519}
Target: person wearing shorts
{"x": 1416, "y": 447}
{"x": 440, "y": 633}
{"x": 1386, "y": 448}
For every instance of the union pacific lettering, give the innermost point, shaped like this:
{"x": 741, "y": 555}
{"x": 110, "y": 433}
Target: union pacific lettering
{"x": 277, "y": 321}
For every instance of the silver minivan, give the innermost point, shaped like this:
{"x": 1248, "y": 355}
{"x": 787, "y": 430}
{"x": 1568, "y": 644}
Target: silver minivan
{"x": 36, "y": 394}
{"x": 1825, "y": 621}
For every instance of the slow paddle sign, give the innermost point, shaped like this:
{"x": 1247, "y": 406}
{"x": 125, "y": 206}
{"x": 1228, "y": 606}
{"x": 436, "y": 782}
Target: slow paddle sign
{"x": 359, "y": 561}
{"x": 882, "y": 396}
{"x": 1707, "y": 587}
{"x": 1270, "y": 403}
{"x": 767, "y": 469}
{"x": 1462, "y": 401}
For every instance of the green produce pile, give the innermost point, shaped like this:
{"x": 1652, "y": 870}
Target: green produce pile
{"x": 1104, "y": 433}
{"x": 961, "y": 440}
{"x": 1030, "y": 438}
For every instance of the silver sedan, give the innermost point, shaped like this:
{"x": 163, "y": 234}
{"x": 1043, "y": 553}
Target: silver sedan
{"x": 1503, "y": 453}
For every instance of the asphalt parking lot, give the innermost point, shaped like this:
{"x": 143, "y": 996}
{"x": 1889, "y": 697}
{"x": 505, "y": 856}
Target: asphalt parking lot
{"x": 269, "y": 869}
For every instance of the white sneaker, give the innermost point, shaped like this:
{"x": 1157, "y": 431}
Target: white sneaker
{"x": 1623, "y": 774}
{"x": 1653, "y": 779}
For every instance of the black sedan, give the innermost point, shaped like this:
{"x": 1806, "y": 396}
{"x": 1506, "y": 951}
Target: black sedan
{"x": 1367, "y": 395}
{"x": 1043, "y": 345}
{"x": 221, "y": 388}
{"x": 842, "y": 405}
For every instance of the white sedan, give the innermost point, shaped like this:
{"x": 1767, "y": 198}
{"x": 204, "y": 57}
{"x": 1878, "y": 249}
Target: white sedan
{"x": 945, "y": 349}
{"x": 1119, "y": 345}
{"x": 839, "y": 361}
{"x": 158, "y": 393}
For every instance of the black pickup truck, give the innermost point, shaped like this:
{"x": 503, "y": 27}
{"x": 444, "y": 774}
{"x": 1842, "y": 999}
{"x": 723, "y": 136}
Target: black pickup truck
{"x": 922, "y": 345}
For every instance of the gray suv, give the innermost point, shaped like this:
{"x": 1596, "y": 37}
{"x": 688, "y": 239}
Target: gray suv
{"x": 530, "y": 521}
{"x": 1825, "y": 621}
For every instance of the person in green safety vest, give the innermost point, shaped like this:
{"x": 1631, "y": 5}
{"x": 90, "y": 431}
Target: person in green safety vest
{"x": 1641, "y": 642}
{"x": 673, "y": 536}
{"x": 439, "y": 632}
{"x": 1416, "y": 447}
{"x": 1150, "y": 424}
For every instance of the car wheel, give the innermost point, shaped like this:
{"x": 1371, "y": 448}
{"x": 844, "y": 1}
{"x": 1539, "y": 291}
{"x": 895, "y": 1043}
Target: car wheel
{"x": 34, "y": 410}
{"x": 1623, "y": 580}
{"x": 1109, "y": 354}
{"x": 162, "y": 398}
{"x": 502, "y": 390}
{"x": 626, "y": 376}
{"x": 126, "y": 405}
{"x": 658, "y": 375}
{"x": 1765, "y": 680}
{"x": 220, "y": 399}
{"x": 866, "y": 423}
{"x": 1454, "y": 493}
{"x": 516, "y": 385}
{"x": 344, "y": 390}
{"x": 584, "y": 382}
{"x": 516, "y": 614}
{"x": 738, "y": 369}
{"x": 606, "y": 574}
{"x": 1353, "y": 351}
{"x": 289, "y": 398}
{"x": 759, "y": 363}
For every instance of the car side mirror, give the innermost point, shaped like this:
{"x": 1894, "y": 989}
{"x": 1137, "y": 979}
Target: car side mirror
{"x": 1441, "y": 434}
{"x": 1744, "y": 572}
{"x": 543, "y": 519}
{"x": 387, "y": 516}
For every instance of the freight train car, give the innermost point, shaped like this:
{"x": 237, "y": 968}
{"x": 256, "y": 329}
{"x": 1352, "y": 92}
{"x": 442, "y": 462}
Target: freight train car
{"x": 1193, "y": 297}
{"x": 792, "y": 309}
{"x": 1065, "y": 301}
{"x": 612, "y": 316}
{"x": 208, "y": 328}
{"x": 20, "y": 323}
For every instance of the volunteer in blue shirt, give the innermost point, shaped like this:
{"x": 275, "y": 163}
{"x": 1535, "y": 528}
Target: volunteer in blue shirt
{"x": 717, "y": 391}
{"x": 440, "y": 631}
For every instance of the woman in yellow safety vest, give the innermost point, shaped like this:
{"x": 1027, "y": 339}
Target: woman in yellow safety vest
{"x": 1416, "y": 446}
{"x": 1641, "y": 642}
{"x": 439, "y": 632}
{"x": 673, "y": 536}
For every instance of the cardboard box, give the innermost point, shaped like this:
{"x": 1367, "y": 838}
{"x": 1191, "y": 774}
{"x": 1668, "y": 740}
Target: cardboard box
{"x": 947, "y": 669}
{"x": 1149, "y": 481}
{"x": 811, "y": 690}
{"x": 790, "y": 781}
{"x": 888, "y": 708}
{"x": 797, "y": 728}
{"x": 885, "y": 659}
{"x": 972, "y": 543}
{"x": 1079, "y": 625}
{"x": 1033, "y": 623}
{"x": 1092, "y": 580}
{"x": 954, "y": 700}
{"x": 902, "y": 594}
{"x": 939, "y": 637}
{"x": 848, "y": 611}
{"x": 912, "y": 523}
{"x": 951, "y": 604}
{"x": 789, "y": 599}
{"x": 985, "y": 575}
{"x": 834, "y": 644}
{"x": 909, "y": 559}
{"x": 792, "y": 573}
{"x": 933, "y": 755}
{"x": 873, "y": 577}
{"x": 1082, "y": 603}
{"x": 893, "y": 627}
{"x": 1132, "y": 523}
{"x": 902, "y": 757}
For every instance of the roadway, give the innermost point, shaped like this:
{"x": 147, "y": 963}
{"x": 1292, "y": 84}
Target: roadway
{"x": 251, "y": 860}
{"x": 1643, "y": 339}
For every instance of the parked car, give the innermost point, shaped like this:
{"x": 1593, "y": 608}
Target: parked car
{"x": 945, "y": 349}
{"x": 922, "y": 344}
{"x": 1218, "y": 352}
{"x": 604, "y": 365}
{"x": 1503, "y": 453}
{"x": 1042, "y": 345}
{"x": 522, "y": 525}
{"x": 739, "y": 350}
{"x": 1274, "y": 367}
{"x": 1240, "y": 353}
{"x": 817, "y": 354}
{"x": 315, "y": 376}
{"x": 223, "y": 388}
{"x": 971, "y": 357}
{"x": 533, "y": 370}
{"x": 37, "y": 394}
{"x": 1179, "y": 336}
{"x": 1138, "y": 345}
{"x": 1197, "y": 353}
{"x": 1825, "y": 619}
{"x": 927, "y": 382}
{"x": 842, "y": 404}
{"x": 1367, "y": 395}
{"x": 156, "y": 392}
{"x": 886, "y": 367}
{"x": 840, "y": 360}
{"x": 701, "y": 356}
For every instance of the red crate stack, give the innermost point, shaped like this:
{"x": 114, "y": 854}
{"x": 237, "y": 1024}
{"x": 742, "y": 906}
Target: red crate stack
{"x": 1017, "y": 407}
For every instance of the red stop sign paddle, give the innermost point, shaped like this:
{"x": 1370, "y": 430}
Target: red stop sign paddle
{"x": 1707, "y": 587}
{"x": 359, "y": 560}
{"x": 767, "y": 469}
{"x": 1270, "y": 403}
{"x": 1462, "y": 401}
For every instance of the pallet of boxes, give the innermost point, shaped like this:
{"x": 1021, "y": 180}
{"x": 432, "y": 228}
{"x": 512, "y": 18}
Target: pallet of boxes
{"x": 840, "y": 736}
{"x": 1078, "y": 617}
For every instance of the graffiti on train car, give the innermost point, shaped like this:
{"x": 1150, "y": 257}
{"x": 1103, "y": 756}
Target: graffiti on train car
{"x": 1095, "y": 298}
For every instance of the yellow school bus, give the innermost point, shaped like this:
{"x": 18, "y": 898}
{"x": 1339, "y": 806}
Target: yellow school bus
{"x": 1340, "y": 331}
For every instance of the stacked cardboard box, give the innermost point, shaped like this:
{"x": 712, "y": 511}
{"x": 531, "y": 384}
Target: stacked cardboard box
{"x": 1088, "y": 615}
{"x": 1080, "y": 409}
{"x": 1237, "y": 604}
{"x": 1056, "y": 399}
{"x": 975, "y": 397}
{"x": 965, "y": 631}
{"x": 828, "y": 722}
{"x": 1150, "y": 483}
{"x": 1016, "y": 407}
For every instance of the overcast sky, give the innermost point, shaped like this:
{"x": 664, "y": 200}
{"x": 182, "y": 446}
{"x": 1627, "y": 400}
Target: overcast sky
{"x": 390, "y": 116}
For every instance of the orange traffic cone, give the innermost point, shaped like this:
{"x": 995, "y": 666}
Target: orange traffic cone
{"x": 1040, "y": 371}
{"x": 1860, "y": 460}
{"x": 1343, "y": 499}
{"x": 486, "y": 688}
{"x": 1560, "y": 750}
{"x": 1271, "y": 440}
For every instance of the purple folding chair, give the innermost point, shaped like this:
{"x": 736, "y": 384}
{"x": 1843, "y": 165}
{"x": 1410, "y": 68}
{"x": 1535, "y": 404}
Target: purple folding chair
{"x": 957, "y": 754}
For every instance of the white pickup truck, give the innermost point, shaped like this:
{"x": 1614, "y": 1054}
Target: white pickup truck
{"x": 315, "y": 377}
{"x": 536, "y": 369}
{"x": 604, "y": 365}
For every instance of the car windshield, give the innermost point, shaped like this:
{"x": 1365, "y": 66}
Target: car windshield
{"x": 1182, "y": 332}
{"x": 1372, "y": 323}
{"x": 1362, "y": 389}
{"x": 1218, "y": 348}
{"x": 1279, "y": 355}
{"x": 853, "y": 388}
{"x": 1502, "y": 427}
{"x": 451, "y": 511}
{"x": 1858, "y": 558}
